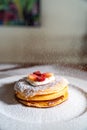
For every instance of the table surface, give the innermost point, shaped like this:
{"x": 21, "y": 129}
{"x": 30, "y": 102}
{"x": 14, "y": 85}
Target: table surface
{"x": 6, "y": 67}
{"x": 7, "y": 70}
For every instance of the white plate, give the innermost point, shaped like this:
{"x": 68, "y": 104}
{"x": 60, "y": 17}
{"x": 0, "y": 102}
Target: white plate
{"x": 69, "y": 115}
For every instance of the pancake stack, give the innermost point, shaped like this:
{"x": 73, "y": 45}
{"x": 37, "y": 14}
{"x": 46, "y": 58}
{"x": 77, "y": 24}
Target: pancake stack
{"x": 41, "y": 90}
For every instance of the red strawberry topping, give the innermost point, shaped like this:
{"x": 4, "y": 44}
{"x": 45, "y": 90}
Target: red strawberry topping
{"x": 41, "y": 78}
{"x": 38, "y": 76}
{"x": 38, "y": 73}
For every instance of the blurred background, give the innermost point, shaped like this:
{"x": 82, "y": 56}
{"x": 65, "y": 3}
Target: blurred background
{"x": 60, "y": 38}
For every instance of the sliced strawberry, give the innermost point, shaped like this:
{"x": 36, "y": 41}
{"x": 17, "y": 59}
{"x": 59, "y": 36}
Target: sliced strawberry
{"x": 38, "y": 73}
{"x": 41, "y": 78}
{"x": 37, "y": 76}
{"x": 47, "y": 75}
{"x": 44, "y": 74}
{"x": 32, "y": 77}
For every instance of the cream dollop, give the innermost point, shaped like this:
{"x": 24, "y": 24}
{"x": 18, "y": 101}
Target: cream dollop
{"x": 46, "y": 81}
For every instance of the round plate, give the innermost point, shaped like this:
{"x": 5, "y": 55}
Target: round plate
{"x": 71, "y": 114}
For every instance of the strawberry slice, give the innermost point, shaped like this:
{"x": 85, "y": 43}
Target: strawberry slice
{"x": 38, "y": 73}
{"x": 41, "y": 78}
{"x": 47, "y": 75}
{"x": 37, "y": 76}
{"x": 32, "y": 77}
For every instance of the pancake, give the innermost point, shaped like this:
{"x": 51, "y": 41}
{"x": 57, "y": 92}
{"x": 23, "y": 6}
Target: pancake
{"x": 41, "y": 90}
{"x": 28, "y": 90}
{"x": 42, "y": 97}
{"x": 46, "y": 103}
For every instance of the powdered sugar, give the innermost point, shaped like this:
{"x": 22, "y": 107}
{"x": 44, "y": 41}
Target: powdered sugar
{"x": 29, "y": 90}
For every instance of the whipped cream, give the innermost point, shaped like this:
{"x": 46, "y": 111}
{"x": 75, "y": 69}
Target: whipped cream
{"x": 46, "y": 81}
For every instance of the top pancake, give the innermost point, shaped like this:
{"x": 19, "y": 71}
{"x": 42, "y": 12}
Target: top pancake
{"x": 28, "y": 90}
